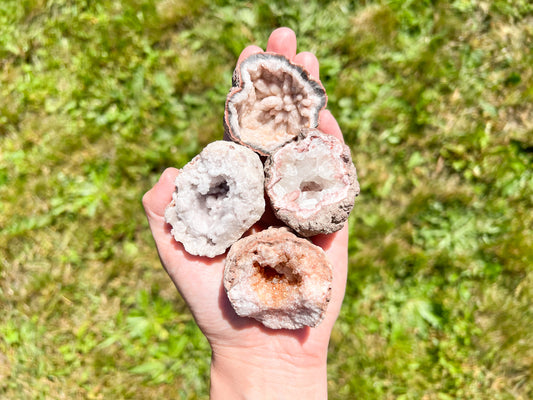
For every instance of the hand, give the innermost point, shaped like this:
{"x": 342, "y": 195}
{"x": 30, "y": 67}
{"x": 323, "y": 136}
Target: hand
{"x": 282, "y": 357}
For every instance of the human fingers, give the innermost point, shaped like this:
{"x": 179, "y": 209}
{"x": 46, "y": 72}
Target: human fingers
{"x": 156, "y": 199}
{"x": 282, "y": 41}
{"x": 248, "y": 51}
{"x": 309, "y": 62}
{"x": 332, "y": 241}
{"x": 184, "y": 269}
{"x": 328, "y": 124}
{"x": 336, "y": 247}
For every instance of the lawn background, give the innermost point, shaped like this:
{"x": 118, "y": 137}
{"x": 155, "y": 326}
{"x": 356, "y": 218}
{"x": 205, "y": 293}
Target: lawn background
{"x": 435, "y": 99}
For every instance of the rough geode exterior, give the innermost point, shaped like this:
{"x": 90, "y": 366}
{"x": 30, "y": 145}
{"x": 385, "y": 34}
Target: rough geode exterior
{"x": 219, "y": 195}
{"x": 279, "y": 279}
{"x": 271, "y": 100}
{"x": 312, "y": 183}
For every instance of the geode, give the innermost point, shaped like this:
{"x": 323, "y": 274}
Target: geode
{"x": 312, "y": 183}
{"x": 279, "y": 279}
{"x": 218, "y": 196}
{"x": 271, "y": 100}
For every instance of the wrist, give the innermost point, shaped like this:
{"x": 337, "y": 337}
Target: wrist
{"x": 240, "y": 375}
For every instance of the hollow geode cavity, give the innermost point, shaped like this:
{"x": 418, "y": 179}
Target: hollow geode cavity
{"x": 271, "y": 100}
{"x": 279, "y": 279}
{"x": 312, "y": 183}
{"x": 218, "y": 196}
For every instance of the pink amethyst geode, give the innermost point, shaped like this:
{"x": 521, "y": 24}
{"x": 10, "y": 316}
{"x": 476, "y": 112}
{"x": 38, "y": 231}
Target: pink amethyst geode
{"x": 279, "y": 279}
{"x": 312, "y": 183}
{"x": 271, "y": 100}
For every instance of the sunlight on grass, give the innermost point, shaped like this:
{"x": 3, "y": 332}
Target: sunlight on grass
{"x": 435, "y": 99}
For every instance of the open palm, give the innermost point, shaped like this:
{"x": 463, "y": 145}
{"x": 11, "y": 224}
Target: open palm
{"x": 199, "y": 279}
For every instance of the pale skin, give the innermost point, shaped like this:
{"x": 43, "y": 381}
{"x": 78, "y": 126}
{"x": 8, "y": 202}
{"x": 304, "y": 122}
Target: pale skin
{"x": 248, "y": 360}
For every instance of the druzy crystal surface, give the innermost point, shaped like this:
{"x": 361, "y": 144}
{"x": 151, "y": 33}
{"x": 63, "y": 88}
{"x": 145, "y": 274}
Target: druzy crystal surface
{"x": 271, "y": 101}
{"x": 218, "y": 196}
{"x": 279, "y": 279}
{"x": 312, "y": 183}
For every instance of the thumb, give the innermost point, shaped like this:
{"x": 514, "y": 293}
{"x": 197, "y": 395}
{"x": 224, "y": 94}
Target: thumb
{"x": 156, "y": 199}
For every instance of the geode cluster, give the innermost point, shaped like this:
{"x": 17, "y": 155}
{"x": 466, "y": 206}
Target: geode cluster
{"x": 274, "y": 276}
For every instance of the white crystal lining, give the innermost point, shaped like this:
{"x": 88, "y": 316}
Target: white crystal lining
{"x": 307, "y": 180}
{"x": 218, "y": 196}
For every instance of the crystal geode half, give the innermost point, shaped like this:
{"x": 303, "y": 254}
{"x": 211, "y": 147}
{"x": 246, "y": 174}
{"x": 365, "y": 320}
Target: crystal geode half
{"x": 218, "y": 196}
{"x": 312, "y": 183}
{"x": 279, "y": 279}
{"x": 271, "y": 100}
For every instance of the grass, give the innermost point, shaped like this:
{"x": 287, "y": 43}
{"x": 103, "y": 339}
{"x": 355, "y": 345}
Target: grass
{"x": 434, "y": 98}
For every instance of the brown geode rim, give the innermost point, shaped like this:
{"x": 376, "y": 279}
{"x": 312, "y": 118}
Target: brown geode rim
{"x": 238, "y": 85}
